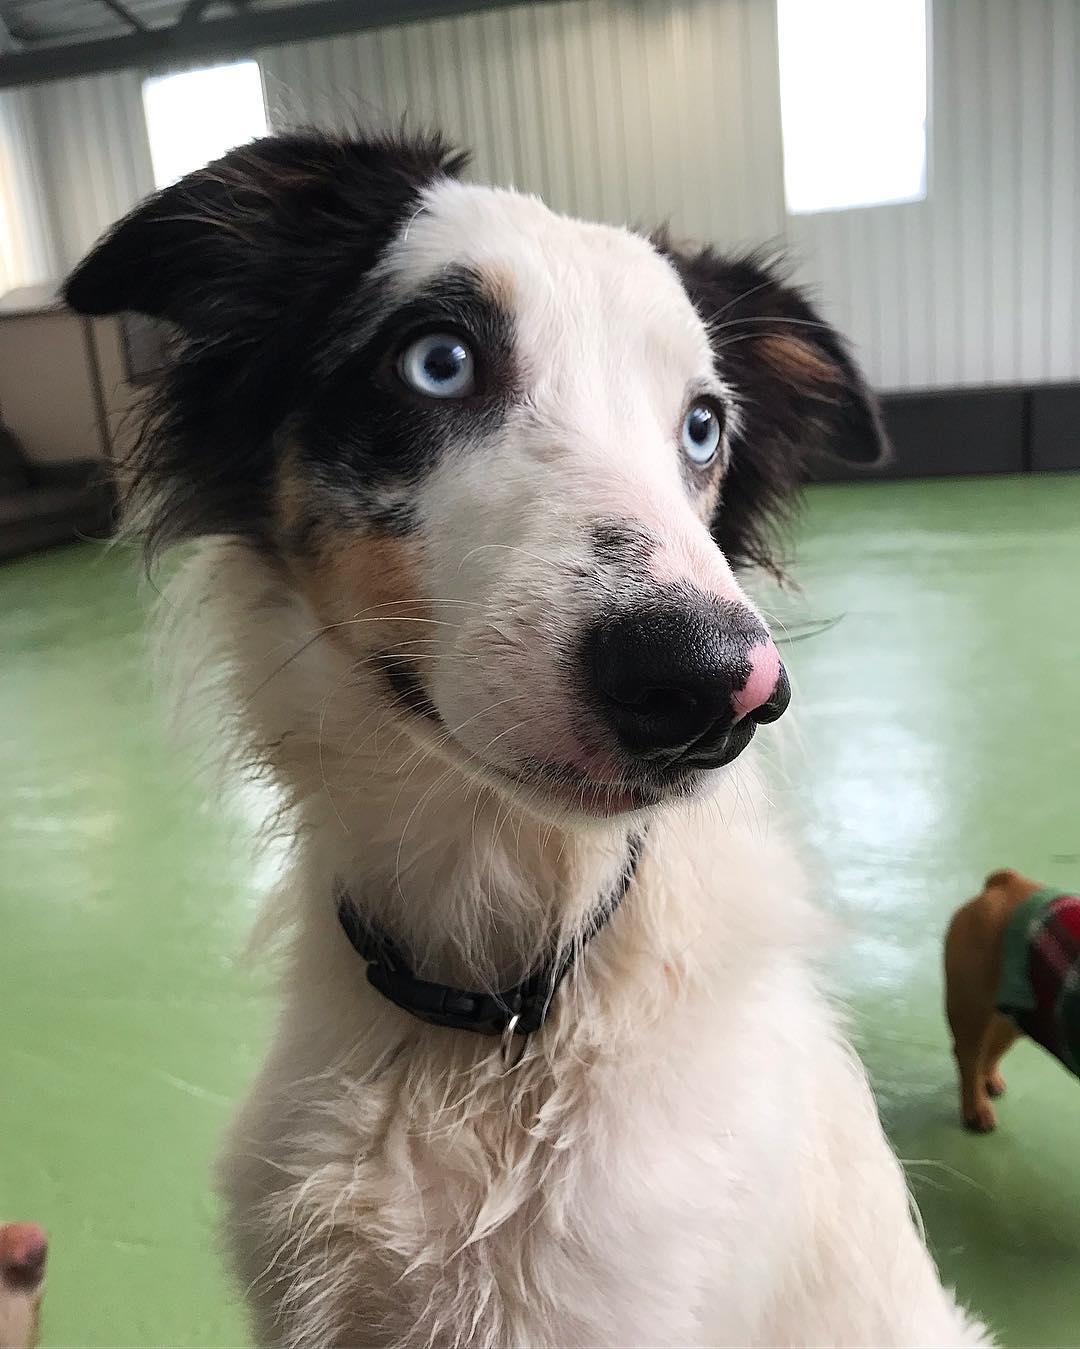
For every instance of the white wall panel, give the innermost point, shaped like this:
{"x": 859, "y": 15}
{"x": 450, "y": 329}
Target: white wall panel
{"x": 643, "y": 111}
{"x": 26, "y": 256}
{"x": 1061, "y": 306}
{"x": 979, "y": 283}
{"x": 93, "y": 153}
{"x": 625, "y": 112}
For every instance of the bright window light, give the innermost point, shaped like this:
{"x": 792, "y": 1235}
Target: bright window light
{"x": 195, "y": 116}
{"x": 853, "y": 102}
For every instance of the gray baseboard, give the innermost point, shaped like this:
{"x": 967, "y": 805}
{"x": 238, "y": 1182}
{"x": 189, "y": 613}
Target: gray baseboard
{"x": 939, "y": 433}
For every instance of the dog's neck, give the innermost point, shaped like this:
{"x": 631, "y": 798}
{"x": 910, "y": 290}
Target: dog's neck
{"x": 474, "y": 886}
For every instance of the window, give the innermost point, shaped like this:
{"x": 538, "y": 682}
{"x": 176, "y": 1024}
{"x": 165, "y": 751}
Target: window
{"x": 194, "y": 116}
{"x": 853, "y": 102}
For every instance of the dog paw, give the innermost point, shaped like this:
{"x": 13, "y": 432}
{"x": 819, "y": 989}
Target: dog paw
{"x": 995, "y": 1084}
{"x": 982, "y": 1121}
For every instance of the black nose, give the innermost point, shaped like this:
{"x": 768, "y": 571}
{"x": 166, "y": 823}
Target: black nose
{"x": 667, "y": 678}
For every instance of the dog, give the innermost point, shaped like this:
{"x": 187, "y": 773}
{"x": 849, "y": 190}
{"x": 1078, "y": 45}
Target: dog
{"x": 471, "y": 486}
{"x": 23, "y": 1252}
{"x": 1011, "y": 955}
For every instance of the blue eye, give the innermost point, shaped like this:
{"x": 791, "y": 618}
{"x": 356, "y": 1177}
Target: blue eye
{"x": 701, "y": 431}
{"x": 438, "y": 365}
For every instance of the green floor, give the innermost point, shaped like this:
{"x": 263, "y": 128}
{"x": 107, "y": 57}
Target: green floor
{"x": 938, "y": 739}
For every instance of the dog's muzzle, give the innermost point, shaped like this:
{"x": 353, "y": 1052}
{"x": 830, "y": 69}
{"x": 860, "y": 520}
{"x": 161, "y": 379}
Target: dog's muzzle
{"x": 685, "y": 683}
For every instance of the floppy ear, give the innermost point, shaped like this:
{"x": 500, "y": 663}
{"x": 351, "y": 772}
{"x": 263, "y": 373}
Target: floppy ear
{"x": 274, "y": 213}
{"x": 801, "y": 396}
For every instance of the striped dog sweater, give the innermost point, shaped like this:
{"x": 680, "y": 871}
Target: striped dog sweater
{"x": 1039, "y": 988}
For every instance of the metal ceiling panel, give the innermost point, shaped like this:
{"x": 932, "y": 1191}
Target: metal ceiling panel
{"x": 61, "y": 39}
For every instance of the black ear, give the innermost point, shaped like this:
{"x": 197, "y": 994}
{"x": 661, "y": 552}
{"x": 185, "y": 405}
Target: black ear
{"x": 269, "y": 214}
{"x": 801, "y": 396}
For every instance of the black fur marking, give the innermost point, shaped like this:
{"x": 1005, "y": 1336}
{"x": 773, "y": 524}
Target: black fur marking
{"x": 398, "y": 519}
{"x": 623, "y": 544}
{"x": 255, "y": 260}
{"x": 366, "y": 438}
{"x": 407, "y": 687}
{"x": 788, "y": 417}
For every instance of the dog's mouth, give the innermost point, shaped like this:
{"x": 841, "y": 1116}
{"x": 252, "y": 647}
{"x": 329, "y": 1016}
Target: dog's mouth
{"x": 578, "y": 792}
{"x": 557, "y": 784}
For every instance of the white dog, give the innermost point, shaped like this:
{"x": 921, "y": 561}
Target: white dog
{"x": 471, "y": 481}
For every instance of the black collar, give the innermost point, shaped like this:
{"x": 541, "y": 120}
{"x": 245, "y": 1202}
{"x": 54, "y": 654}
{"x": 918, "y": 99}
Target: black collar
{"x": 520, "y": 1010}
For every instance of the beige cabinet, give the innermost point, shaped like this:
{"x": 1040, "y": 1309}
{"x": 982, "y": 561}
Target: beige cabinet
{"x": 65, "y": 381}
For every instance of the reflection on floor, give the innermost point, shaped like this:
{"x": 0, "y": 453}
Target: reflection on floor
{"x": 936, "y": 738}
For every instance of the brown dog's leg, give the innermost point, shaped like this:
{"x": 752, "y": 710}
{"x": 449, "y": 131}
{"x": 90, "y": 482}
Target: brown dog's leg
{"x": 970, "y": 1034}
{"x": 969, "y": 1006}
{"x": 981, "y": 1035}
{"x": 1003, "y": 1034}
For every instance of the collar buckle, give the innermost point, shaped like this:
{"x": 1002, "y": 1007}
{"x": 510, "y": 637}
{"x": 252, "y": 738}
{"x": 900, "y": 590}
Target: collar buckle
{"x": 520, "y": 1010}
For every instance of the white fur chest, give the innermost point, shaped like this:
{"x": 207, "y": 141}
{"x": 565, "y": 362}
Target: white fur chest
{"x": 636, "y": 1198}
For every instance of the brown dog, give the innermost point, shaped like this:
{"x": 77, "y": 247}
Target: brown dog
{"x": 974, "y": 953}
{"x": 23, "y": 1249}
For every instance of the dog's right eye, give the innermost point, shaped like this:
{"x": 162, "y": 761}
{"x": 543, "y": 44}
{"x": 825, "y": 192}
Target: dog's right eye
{"x": 438, "y": 365}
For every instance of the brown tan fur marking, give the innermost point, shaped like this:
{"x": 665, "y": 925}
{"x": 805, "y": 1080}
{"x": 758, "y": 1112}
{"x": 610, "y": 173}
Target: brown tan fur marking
{"x": 797, "y": 363}
{"x": 347, "y": 575}
{"x": 498, "y": 285}
{"x": 375, "y": 580}
{"x": 289, "y": 496}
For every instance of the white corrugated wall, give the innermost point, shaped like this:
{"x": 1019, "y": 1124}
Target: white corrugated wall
{"x": 981, "y": 282}
{"x": 623, "y": 112}
{"x": 645, "y": 110}
{"x": 26, "y": 253}
{"x": 94, "y": 155}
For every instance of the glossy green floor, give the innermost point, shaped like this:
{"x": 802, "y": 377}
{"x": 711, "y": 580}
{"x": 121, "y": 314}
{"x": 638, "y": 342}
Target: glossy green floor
{"x": 938, "y": 739}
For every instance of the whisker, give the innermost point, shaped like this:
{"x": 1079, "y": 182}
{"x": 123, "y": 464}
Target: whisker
{"x": 510, "y": 548}
{"x": 743, "y": 296}
{"x": 447, "y": 737}
{"x": 768, "y": 318}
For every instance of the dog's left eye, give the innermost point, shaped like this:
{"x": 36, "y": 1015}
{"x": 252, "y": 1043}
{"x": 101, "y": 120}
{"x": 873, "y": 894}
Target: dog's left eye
{"x": 701, "y": 430}
{"x": 438, "y": 365}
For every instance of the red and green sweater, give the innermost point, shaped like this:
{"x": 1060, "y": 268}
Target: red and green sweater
{"x": 1039, "y": 986}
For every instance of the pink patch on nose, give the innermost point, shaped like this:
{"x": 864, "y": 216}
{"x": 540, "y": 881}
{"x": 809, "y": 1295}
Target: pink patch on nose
{"x": 762, "y": 682}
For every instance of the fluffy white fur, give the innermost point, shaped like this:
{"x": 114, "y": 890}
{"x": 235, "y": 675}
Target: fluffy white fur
{"x": 688, "y": 1154}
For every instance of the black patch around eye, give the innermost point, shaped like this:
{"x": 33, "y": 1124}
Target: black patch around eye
{"x": 459, "y": 305}
{"x": 368, "y": 439}
{"x": 306, "y": 535}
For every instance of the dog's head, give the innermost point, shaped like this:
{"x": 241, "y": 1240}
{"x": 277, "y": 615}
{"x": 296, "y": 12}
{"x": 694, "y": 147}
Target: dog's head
{"x": 23, "y": 1249}
{"x": 512, "y": 460}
